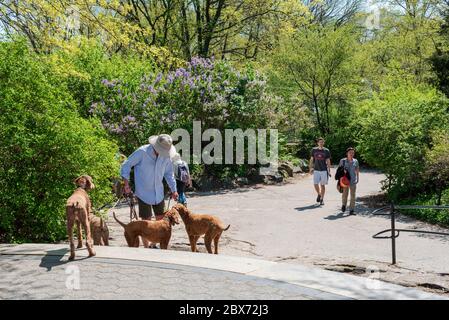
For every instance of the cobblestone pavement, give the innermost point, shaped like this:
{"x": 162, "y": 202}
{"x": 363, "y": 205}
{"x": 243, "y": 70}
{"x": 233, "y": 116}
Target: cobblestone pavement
{"x": 51, "y": 277}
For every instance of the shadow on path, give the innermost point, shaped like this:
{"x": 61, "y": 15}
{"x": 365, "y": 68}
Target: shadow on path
{"x": 340, "y": 215}
{"x": 53, "y": 258}
{"x": 310, "y": 207}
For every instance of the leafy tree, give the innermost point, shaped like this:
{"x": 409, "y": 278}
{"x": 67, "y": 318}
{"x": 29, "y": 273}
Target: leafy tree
{"x": 334, "y": 12}
{"x": 400, "y": 50}
{"x": 187, "y": 28}
{"x": 317, "y": 62}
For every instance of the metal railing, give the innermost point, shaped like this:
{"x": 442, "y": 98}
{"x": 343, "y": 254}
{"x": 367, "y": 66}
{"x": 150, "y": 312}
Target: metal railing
{"x": 394, "y": 232}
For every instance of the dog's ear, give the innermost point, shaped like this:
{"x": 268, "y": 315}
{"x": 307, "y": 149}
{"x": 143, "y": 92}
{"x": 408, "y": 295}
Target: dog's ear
{"x": 172, "y": 216}
{"x": 77, "y": 181}
{"x": 180, "y": 208}
{"x": 90, "y": 184}
{"x": 186, "y": 210}
{"x": 175, "y": 217}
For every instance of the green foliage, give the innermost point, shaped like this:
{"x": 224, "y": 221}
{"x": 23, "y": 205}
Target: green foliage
{"x": 433, "y": 216}
{"x": 317, "y": 62}
{"x": 437, "y": 164}
{"x": 45, "y": 145}
{"x": 396, "y": 133}
{"x": 83, "y": 65}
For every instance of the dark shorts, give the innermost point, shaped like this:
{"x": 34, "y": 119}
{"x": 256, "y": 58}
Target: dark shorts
{"x": 145, "y": 210}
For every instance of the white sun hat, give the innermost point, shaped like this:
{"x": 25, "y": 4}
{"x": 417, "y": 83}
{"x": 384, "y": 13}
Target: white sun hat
{"x": 163, "y": 144}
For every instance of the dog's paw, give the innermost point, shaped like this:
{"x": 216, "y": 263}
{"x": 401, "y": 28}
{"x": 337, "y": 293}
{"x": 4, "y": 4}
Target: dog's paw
{"x": 71, "y": 258}
{"x": 79, "y": 246}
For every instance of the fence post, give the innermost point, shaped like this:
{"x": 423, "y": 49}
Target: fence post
{"x": 393, "y": 235}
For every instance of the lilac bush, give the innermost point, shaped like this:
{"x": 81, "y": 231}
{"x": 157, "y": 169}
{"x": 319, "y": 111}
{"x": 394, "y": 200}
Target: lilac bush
{"x": 204, "y": 89}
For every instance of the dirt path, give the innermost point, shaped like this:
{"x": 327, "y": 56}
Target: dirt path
{"x": 283, "y": 223}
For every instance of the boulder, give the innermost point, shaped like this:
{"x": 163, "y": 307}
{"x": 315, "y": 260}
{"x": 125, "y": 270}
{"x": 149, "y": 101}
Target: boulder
{"x": 273, "y": 179}
{"x": 286, "y": 167}
{"x": 284, "y": 173}
{"x": 242, "y": 181}
{"x": 304, "y": 165}
{"x": 297, "y": 170}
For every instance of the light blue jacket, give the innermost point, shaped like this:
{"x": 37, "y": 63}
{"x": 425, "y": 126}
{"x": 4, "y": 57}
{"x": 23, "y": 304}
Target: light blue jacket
{"x": 149, "y": 172}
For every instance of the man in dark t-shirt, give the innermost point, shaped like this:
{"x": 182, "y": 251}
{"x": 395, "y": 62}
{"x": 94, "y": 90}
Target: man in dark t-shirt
{"x": 320, "y": 165}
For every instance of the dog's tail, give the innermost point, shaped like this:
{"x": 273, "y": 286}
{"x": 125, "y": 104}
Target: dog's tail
{"x": 227, "y": 228}
{"x": 119, "y": 222}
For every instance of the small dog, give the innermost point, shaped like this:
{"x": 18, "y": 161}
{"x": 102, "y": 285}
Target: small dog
{"x": 100, "y": 231}
{"x": 78, "y": 209}
{"x": 152, "y": 231}
{"x": 201, "y": 224}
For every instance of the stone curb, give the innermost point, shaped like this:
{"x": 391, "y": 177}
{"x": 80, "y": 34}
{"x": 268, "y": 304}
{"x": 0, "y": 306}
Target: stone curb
{"x": 346, "y": 286}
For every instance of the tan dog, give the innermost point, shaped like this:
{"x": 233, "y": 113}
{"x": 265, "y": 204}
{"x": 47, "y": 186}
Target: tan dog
{"x": 100, "y": 231}
{"x": 152, "y": 231}
{"x": 78, "y": 209}
{"x": 201, "y": 224}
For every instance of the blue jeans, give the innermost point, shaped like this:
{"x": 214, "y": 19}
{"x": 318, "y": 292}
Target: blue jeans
{"x": 180, "y": 186}
{"x": 182, "y": 198}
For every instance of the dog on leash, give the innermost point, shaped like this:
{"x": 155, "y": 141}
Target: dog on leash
{"x": 99, "y": 230}
{"x": 198, "y": 225}
{"x": 78, "y": 210}
{"x": 152, "y": 231}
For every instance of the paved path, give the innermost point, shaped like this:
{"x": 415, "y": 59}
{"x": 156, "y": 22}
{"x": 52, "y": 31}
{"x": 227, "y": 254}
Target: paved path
{"x": 271, "y": 224}
{"x": 283, "y": 223}
{"x": 42, "y": 271}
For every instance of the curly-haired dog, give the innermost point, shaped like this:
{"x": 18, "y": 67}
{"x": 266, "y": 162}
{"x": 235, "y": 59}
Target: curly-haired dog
{"x": 153, "y": 231}
{"x": 201, "y": 224}
{"x": 78, "y": 209}
{"x": 99, "y": 230}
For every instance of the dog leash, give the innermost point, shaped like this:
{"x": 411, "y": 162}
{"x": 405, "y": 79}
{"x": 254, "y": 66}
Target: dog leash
{"x": 132, "y": 208}
{"x": 105, "y": 205}
{"x": 168, "y": 206}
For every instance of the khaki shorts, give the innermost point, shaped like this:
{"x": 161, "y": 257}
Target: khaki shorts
{"x": 145, "y": 210}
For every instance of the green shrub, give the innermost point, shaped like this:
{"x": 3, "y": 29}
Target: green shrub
{"x": 433, "y": 216}
{"x": 396, "y": 133}
{"x": 83, "y": 65}
{"x": 44, "y": 145}
{"x": 436, "y": 171}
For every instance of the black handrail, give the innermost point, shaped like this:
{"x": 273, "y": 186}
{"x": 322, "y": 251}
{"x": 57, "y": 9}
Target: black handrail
{"x": 394, "y": 233}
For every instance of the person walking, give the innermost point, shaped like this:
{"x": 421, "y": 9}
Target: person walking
{"x": 320, "y": 165}
{"x": 351, "y": 165}
{"x": 182, "y": 176}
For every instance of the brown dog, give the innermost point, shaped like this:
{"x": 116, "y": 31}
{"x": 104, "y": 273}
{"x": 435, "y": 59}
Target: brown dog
{"x": 201, "y": 224}
{"x": 100, "y": 231}
{"x": 153, "y": 231}
{"x": 78, "y": 209}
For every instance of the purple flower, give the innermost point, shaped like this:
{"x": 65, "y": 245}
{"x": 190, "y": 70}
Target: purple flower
{"x": 158, "y": 78}
{"x": 151, "y": 89}
{"x": 170, "y": 78}
{"x": 93, "y": 107}
{"x": 179, "y": 72}
{"x": 107, "y": 83}
{"x": 200, "y": 63}
{"x": 129, "y": 119}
